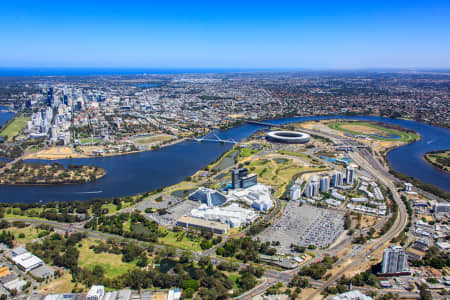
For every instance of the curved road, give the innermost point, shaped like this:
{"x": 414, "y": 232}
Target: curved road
{"x": 397, "y": 227}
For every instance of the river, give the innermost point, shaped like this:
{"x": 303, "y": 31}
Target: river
{"x": 146, "y": 171}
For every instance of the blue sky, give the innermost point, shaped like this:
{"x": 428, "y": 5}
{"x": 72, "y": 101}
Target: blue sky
{"x": 228, "y": 34}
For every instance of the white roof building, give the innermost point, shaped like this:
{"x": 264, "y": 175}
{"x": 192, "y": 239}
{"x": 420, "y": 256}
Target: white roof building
{"x": 352, "y": 295}
{"x": 52, "y": 297}
{"x": 257, "y": 196}
{"x": 360, "y": 200}
{"x": 233, "y": 215}
{"x": 97, "y": 292}
{"x": 338, "y": 196}
{"x": 443, "y": 245}
{"x": 18, "y": 251}
{"x": 27, "y": 261}
{"x": 176, "y": 294}
{"x": 332, "y": 202}
{"x": 15, "y": 284}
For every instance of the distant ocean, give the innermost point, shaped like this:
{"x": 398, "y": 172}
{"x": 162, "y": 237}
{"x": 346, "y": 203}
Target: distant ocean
{"x": 70, "y": 71}
{"x": 25, "y": 72}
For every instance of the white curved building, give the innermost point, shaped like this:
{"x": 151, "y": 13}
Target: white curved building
{"x": 288, "y": 137}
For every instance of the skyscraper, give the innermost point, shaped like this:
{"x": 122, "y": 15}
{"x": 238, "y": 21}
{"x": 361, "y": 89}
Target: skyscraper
{"x": 312, "y": 189}
{"x": 241, "y": 179}
{"x": 324, "y": 184}
{"x": 295, "y": 192}
{"x": 316, "y": 188}
{"x": 395, "y": 260}
{"x": 338, "y": 179}
{"x": 349, "y": 175}
{"x": 309, "y": 190}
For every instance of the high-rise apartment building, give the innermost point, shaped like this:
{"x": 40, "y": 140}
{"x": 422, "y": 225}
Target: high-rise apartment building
{"x": 349, "y": 175}
{"x": 338, "y": 179}
{"x": 324, "y": 184}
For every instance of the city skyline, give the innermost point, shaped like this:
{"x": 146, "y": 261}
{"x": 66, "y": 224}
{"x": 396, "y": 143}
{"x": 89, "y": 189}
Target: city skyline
{"x": 261, "y": 35}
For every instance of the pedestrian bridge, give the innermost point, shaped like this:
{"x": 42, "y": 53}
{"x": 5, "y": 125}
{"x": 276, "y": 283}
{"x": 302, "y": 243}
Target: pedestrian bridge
{"x": 217, "y": 139}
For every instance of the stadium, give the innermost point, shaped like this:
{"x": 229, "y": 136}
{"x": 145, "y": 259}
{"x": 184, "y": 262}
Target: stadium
{"x": 288, "y": 137}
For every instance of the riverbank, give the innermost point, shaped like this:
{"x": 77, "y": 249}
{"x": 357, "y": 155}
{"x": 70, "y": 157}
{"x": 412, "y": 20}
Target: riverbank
{"x": 21, "y": 173}
{"x": 150, "y": 170}
{"x": 427, "y": 187}
{"x": 65, "y": 152}
{"x": 439, "y": 159}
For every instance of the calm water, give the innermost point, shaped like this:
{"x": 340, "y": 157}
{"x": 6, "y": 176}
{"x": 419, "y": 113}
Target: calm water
{"x": 5, "y": 116}
{"x": 148, "y": 85}
{"x": 141, "y": 172}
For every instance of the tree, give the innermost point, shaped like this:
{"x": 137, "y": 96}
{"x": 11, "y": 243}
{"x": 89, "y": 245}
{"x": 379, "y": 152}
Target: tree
{"x": 247, "y": 281}
{"x": 185, "y": 257}
{"x": 188, "y": 293}
{"x": 191, "y": 284}
{"x": 425, "y": 294}
{"x": 220, "y": 251}
{"x": 131, "y": 251}
{"x": 204, "y": 261}
{"x": 142, "y": 260}
{"x": 98, "y": 271}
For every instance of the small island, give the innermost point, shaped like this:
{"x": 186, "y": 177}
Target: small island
{"x": 439, "y": 159}
{"x": 21, "y": 173}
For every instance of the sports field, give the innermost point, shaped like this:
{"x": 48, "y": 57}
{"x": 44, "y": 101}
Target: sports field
{"x": 152, "y": 139}
{"x": 90, "y": 141}
{"x": 15, "y": 127}
{"x": 374, "y": 131}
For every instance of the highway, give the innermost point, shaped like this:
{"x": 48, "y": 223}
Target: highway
{"x": 400, "y": 223}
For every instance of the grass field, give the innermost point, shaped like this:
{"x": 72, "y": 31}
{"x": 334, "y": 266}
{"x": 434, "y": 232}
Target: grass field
{"x": 31, "y": 233}
{"x": 179, "y": 240}
{"x": 31, "y": 213}
{"x": 152, "y": 139}
{"x": 15, "y": 127}
{"x": 90, "y": 141}
{"x": 374, "y": 131}
{"x": 111, "y": 263}
{"x": 246, "y": 152}
{"x": 278, "y": 172}
{"x": 298, "y": 154}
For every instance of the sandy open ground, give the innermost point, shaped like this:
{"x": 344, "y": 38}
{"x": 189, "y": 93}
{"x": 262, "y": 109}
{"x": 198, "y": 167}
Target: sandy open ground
{"x": 62, "y": 284}
{"x": 62, "y": 152}
{"x": 54, "y": 153}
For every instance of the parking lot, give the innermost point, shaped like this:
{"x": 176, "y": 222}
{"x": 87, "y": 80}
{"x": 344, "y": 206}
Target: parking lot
{"x": 165, "y": 202}
{"x": 304, "y": 225}
{"x": 174, "y": 213}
